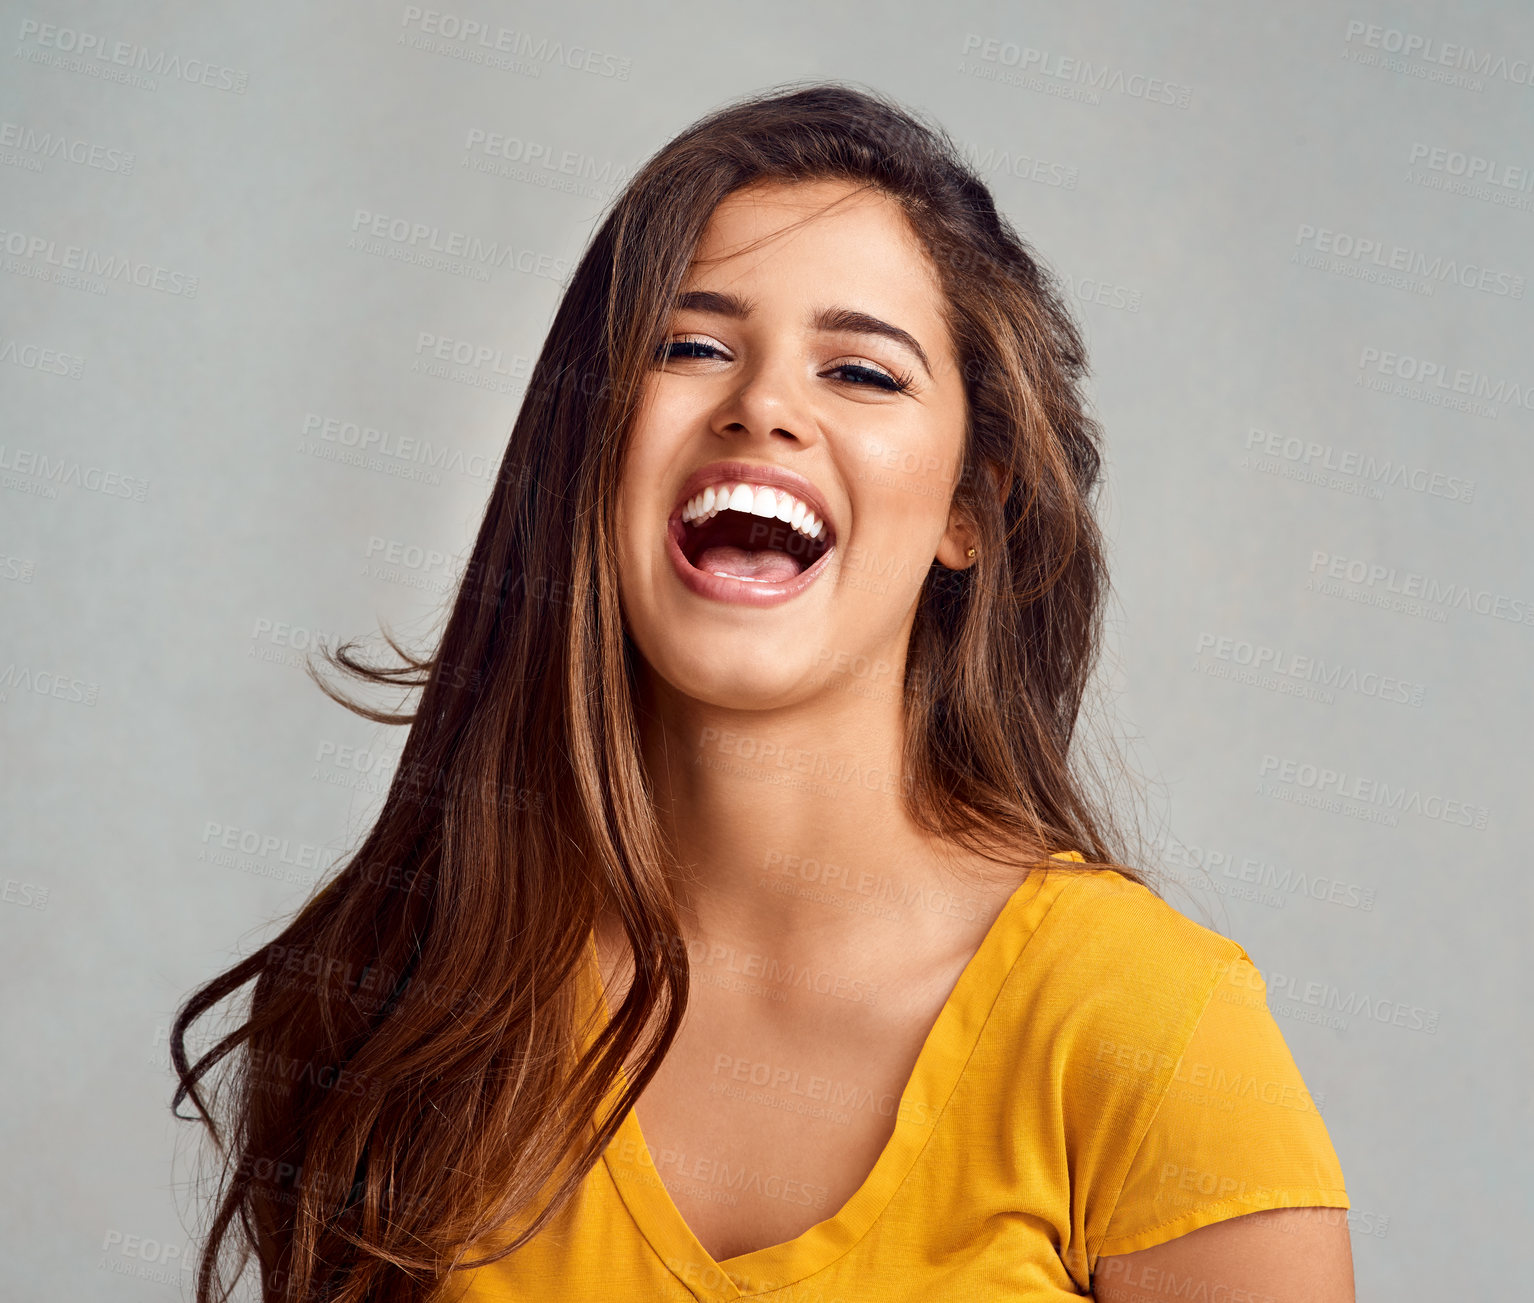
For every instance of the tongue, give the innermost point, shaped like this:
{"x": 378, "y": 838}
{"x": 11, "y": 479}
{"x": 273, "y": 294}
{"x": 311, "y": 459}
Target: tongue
{"x": 767, "y": 566}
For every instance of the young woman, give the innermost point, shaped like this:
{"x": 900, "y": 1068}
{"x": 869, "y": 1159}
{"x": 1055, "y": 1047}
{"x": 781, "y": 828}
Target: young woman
{"x": 736, "y": 925}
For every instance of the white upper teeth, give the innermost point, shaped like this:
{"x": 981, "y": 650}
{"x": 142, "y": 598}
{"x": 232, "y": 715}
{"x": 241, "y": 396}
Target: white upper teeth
{"x": 756, "y": 500}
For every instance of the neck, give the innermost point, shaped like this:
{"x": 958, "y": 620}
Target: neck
{"x": 790, "y": 831}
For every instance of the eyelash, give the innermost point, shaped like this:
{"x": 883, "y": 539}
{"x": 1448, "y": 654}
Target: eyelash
{"x": 890, "y": 382}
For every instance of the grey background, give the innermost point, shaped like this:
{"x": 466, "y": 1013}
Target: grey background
{"x": 176, "y": 526}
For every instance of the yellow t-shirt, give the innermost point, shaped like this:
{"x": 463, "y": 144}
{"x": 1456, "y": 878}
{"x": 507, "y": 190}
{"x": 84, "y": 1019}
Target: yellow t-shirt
{"x": 1105, "y": 1076}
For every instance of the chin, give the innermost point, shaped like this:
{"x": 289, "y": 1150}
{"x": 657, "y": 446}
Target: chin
{"x": 737, "y": 673}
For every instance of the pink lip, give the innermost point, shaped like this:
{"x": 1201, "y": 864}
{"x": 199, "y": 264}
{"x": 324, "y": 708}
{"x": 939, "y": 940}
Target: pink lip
{"x": 745, "y": 592}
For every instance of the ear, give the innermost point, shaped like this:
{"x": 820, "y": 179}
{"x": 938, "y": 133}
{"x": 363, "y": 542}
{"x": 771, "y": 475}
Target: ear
{"x": 958, "y": 538}
{"x": 961, "y": 534}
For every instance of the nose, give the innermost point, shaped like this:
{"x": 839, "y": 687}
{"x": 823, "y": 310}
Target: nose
{"x": 769, "y": 402}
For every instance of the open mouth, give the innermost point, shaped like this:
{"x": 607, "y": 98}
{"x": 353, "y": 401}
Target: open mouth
{"x": 751, "y": 532}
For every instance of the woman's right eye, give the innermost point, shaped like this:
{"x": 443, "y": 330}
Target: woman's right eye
{"x": 685, "y": 348}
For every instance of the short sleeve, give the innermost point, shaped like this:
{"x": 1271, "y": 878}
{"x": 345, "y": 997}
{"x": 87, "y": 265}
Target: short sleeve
{"x": 1236, "y": 1131}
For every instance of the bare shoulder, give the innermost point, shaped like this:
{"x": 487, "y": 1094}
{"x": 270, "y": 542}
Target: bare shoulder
{"x": 1282, "y": 1255}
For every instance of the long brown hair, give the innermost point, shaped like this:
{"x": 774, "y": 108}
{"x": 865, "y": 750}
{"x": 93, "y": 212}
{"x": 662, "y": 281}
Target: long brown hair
{"x": 406, "y": 1078}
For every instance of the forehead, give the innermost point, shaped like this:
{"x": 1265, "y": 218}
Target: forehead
{"x": 829, "y": 239}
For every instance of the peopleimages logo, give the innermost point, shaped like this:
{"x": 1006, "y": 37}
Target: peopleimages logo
{"x": 49, "y": 474}
{"x": 1066, "y": 70}
{"x": 1313, "y": 455}
{"x": 1318, "y": 670}
{"x": 541, "y": 163}
{"x": 1328, "y": 1004}
{"x": 1325, "y": 781}
{"x": 1025, "y": 167}
{"x": 1473, "y": 168}
{"x": 47, "y": 683}
{"x": 1414, "y": 584}
{"x": 468, "y": 353}
{"x": 469, "y": 37}
{"x": 50, "y": 145}
{"x": 1446, "y": 54}
{"x": 424, "y": 453}
{"x": 102, "y": 265}
{"x": 33, "y": 357}
{"x": 428, "y": 243}
{"x": 1381, "y": 254}
{"x": 1416, "y": 376}
{"x": 97, "y": 55}
{"x": 1253, "y": 871}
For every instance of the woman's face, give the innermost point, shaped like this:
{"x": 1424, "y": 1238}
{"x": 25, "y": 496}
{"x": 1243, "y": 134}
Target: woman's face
{"x": 810, "y": 361}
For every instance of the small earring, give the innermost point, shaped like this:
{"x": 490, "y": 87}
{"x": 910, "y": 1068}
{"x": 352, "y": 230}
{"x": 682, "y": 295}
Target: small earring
{"x": 970, "y": 553}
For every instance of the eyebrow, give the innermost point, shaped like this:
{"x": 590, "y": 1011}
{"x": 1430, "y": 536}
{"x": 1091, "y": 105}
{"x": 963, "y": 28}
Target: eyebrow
{"x": 843, "y": 320}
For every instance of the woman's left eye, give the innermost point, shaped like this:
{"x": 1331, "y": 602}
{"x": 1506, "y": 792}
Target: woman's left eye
{"x": 870, "y": 376}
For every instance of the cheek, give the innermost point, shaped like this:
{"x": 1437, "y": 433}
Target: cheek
{"x": 903, "y": 484}
{"x": 669, "y": 406}
{"x": 908, "y": 480}
{"x": 896, "y": 542}
{"x": 923, "y": 467}
{"x": 667, "y": 419}
{"x": 643, "y": 471}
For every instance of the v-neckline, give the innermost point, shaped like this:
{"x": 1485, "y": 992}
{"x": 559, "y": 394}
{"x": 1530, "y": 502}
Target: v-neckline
{"x": 939, "y": 1065}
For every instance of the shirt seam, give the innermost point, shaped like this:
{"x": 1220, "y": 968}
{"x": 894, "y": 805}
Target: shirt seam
{"x": 1202, "y": 1209}
{"x": 1118, "y": 1193}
